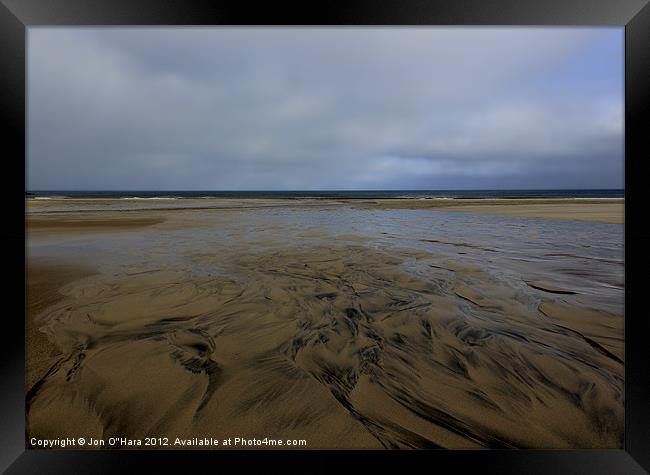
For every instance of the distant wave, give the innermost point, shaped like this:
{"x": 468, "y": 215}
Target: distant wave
{"x": 345, "y": 195}
{"x": 151, "y": 198}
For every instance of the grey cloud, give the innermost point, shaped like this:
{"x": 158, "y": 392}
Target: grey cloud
{"x": 147, "y": 108}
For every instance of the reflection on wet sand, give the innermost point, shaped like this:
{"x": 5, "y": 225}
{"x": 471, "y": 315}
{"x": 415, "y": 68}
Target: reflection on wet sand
{"x": 349, "y": 328}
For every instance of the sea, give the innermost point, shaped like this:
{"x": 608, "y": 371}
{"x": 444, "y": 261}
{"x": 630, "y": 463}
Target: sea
{"x": 331, "y": 194}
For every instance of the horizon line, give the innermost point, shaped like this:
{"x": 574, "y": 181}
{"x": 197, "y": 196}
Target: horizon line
{"x": 330, "y": 190}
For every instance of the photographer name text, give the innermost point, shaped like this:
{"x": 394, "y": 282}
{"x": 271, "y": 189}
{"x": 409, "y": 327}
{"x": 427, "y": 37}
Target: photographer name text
{"x": 177, "y": 442}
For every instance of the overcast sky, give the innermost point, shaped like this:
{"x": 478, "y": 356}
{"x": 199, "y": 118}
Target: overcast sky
{"x": 317, "y": 109}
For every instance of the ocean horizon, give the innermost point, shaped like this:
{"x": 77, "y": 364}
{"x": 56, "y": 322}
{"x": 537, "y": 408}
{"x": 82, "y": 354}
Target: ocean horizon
{"x": 330, "y": 194}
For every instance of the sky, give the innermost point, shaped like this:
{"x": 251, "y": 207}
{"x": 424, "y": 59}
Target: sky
{"x": 324, "y": 109}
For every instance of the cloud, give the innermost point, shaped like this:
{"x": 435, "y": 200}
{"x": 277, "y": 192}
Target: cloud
{"x": 291, "y": 108}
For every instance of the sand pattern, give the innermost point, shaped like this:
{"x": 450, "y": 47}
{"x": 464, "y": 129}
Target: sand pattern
{"x": 345, "y": 340}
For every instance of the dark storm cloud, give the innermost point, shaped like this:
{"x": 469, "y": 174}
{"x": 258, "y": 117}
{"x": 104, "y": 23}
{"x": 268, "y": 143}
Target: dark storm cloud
{"x": 189, "y": 108}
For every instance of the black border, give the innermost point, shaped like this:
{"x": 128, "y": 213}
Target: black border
{"x": 17, "y": 15}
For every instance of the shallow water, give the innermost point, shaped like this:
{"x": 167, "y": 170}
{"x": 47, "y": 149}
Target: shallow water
{"x": 582, "y": 256}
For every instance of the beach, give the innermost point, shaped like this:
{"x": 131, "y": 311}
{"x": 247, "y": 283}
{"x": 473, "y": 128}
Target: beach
{"x": 370, "y": 323}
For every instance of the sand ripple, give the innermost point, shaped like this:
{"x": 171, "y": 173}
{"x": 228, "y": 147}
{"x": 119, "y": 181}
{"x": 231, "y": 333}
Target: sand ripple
{"x": 342, "y": 345}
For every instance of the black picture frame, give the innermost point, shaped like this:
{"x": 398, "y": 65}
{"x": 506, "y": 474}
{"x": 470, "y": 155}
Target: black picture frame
{"x": 18, "y": 15}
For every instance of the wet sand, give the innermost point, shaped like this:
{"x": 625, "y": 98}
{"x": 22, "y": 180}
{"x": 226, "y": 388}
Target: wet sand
{"x": 280, "y": 329}
{"x": 602, "y": 210}
{"x": 606, "y": 210}
{"x": 44, "y": 279}
{"x": 71, "y": 224}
